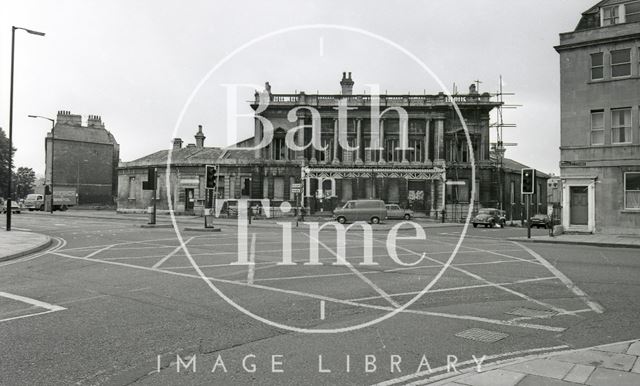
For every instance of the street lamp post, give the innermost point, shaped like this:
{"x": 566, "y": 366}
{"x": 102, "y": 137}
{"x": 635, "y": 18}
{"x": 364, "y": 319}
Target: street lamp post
{"x": 53, "y": 141}
{"x": 13, "y": 41}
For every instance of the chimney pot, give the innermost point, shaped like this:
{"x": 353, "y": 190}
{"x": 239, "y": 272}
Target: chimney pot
{"x": 177, "y": 143}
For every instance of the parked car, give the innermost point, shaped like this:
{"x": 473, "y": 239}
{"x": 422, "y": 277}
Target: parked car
{"x": 541, "y": 221}
{"x": 394, "y": 211}
{"x": 489, "y": 217}
{"x": 372, "y": 211}
{"x": 15, "y": 206}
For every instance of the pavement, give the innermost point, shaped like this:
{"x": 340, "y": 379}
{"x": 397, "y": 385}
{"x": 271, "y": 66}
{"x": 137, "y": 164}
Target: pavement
{"x": 16, "y": 244}
{"x": 600, "y": 240}
{"x": 611, "y": 364}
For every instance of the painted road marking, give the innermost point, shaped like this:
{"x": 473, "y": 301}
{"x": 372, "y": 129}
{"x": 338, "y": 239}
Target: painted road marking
{"x": 595, "y": 306}
{"x": 37, "y": 303}
{"x": 322, "y": 310}
{"x": 327, "y": 298}
{"x": 480, "y": 278}
{"x": 167, "y": 257}
{"x": 360, "y": 275}
{"x": 459, "y": 288}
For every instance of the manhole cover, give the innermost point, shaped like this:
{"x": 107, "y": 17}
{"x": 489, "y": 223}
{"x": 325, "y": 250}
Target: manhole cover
{"x": 482, "y": 335}
{"x": 530, "y": 312}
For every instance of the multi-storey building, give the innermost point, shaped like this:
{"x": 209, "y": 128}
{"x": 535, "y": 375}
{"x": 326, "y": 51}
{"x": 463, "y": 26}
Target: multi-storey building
{"x": 414, "y": 175}
{"x": 84, "y": 158}
{"x": 600, "y": 136}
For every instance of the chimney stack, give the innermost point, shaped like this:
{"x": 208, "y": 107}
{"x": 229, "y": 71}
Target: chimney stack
{"x": 200, "y": 138}
{"x": 95, "y": 121}
{"x": 177, "y": 143}
{"x": 347, "y": 84}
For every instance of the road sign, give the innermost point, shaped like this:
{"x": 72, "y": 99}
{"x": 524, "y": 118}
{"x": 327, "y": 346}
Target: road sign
{"x": 455, "y": 183}
{"x": 296, "y": 188}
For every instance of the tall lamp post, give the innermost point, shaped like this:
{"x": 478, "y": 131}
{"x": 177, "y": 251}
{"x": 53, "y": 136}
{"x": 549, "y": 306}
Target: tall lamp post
{"x": 53, "y": 141}
{"x": 13, "y": 41}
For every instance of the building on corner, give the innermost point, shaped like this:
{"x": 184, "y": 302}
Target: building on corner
{"x": 600, "y": 135}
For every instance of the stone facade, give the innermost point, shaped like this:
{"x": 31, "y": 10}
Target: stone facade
{"x": 86, "y": 158}
{"x": 600, "y": 135}
{"x": 185, "y": 192}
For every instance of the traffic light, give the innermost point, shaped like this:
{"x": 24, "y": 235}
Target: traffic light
{"x": 528, "y": 180}
{"x": 211, "y": 172}
{"x": 150, "y": 183}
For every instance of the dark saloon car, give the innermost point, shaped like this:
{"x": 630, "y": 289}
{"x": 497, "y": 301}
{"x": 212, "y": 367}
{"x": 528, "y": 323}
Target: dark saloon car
{"x": 541, "y": 221}
{"x": 489, "y": 217}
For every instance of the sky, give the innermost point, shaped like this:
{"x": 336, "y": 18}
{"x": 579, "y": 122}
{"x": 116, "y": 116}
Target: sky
{"x": 155, "y": 70}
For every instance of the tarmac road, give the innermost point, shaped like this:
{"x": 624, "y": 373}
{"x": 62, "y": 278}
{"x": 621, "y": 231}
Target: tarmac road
{"x": 109, "y": 301}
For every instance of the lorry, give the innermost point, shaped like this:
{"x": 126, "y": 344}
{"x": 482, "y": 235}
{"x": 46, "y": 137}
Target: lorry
{"x": 63, "y": 198}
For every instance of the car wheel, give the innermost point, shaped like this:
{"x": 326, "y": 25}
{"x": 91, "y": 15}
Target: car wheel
{"x": 407, "y": 216}
{"x": 41, "y": 208}
{"x": 63, "y": 208}
{"x": 375, "y": 220}
{"x": 30, "y": 209}
{"x": 486, "y": 225}
{"x": 342, "y": 220}
{"x": 475, "y": 225}
{"x": 493, "y": 224}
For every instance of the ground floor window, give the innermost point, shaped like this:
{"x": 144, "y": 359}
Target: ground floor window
{"x": 632, "y": 190}
{"x": 278, "y": 188}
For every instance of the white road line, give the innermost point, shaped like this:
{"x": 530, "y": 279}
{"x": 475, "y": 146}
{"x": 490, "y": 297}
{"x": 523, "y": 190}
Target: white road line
{"x": 167, "y": 257}
{"x": 365, "y": 272}
{"x": 480, "y": 278}
{"x": 322, "y": 315}
{"x": 459, "y": 288}
{"x": 100, "y": 250}
{"x": 595, "y": 306}
{"x": 360, "y": 275}
{"x": 33, "y": 302}
{"x": 60, "y": 244}
{"x": 29, "y": 315}
{"x": 327, "y": 298}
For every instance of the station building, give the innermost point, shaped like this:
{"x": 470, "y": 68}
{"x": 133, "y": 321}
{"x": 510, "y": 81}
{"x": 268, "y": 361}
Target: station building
{"x": 414, "y": 177}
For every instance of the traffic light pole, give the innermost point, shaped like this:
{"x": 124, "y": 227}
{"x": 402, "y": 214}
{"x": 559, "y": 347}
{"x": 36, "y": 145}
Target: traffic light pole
{"x": 155, "y": 198}
{"x": 528, "y": 203}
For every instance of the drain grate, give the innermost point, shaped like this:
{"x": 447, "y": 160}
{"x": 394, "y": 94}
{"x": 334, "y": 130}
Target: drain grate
{"x": 530, "y": 312}
{"x": 482, "y": 335}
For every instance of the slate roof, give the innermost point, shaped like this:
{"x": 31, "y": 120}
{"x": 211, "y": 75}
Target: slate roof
{"x": 83, "y": 134}
{"x": 184, "y": 156}
{"x": 511, "y": 165}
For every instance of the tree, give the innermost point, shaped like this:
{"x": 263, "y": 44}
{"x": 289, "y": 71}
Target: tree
{"x": 4, "y": 163}
{"x": 24, "y": 181}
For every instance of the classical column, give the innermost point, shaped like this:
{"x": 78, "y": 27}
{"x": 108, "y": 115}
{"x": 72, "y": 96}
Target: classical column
{"x": 359, "y": 141}
{"x": 336, "y": 129}
{"x": 258, "y": 138}
{"x": 439, "y": 140}
{"x": 433, "y": 197}
{"x": 300, "y": 140}
{"x": 427, "y": 130}
{"x": 404, "y": 135}
{"x": 383, "y": 156}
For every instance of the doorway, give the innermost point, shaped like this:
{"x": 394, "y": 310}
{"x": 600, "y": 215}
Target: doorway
{"x": 189, "y": 199}
{"x": 578, "y": 205}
